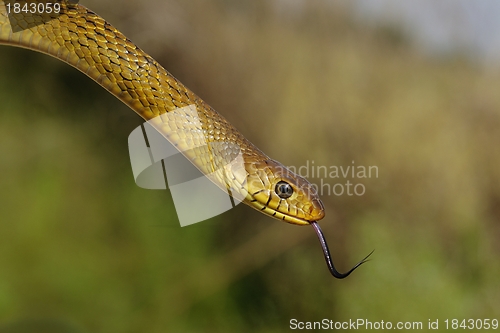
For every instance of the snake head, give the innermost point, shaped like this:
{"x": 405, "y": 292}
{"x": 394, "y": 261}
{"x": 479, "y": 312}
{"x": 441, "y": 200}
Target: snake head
{"x": 282, "y": 194}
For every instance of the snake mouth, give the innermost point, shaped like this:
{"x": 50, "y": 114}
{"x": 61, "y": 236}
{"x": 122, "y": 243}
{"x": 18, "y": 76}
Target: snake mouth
{"x": 285, "y": 217}
{"x": 301, "y": 211}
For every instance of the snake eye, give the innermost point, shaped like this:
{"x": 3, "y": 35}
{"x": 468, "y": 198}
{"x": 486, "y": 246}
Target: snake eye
{"x": 284, "y": 190}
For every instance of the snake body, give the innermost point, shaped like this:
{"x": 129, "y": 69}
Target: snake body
{"x": 84, "y": 40}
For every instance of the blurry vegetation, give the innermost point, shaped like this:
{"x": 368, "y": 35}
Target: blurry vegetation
{"x": 82, "y": 249}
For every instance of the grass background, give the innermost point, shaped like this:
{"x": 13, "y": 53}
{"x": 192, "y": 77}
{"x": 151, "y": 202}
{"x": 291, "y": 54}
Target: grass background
{"x": 82, "y": 249}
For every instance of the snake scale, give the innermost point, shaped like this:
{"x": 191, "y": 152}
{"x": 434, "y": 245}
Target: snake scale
{"x": 87, "y": 42}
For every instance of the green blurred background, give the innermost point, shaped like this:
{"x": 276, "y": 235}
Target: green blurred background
{"x": 83, "y": 249}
